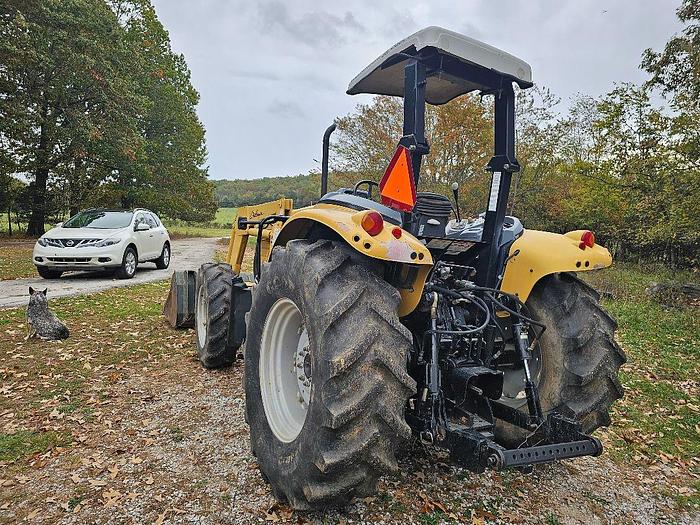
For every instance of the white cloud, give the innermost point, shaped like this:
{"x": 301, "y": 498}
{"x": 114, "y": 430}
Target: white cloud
{"x": 272, "y": 75}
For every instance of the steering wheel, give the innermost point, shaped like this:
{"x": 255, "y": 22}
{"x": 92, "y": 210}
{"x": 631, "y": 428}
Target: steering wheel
{"x": 369, "y": 183}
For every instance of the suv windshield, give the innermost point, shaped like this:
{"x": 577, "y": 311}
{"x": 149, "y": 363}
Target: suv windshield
{"x": 100, "y": 219}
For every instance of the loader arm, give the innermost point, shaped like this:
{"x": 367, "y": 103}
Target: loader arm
{"x": 245, "y": 225}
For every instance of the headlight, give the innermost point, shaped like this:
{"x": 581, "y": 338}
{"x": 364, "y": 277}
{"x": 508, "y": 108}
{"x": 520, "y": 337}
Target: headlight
{"x": 108, "y": 242}
{"x": 42, "y": 241}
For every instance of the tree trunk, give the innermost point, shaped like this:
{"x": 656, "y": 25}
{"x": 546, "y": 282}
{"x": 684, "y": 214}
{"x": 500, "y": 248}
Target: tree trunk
{"x": 41, "y": 175}
{"x": 9, "y": 222}
{"x": 38, "y": 216}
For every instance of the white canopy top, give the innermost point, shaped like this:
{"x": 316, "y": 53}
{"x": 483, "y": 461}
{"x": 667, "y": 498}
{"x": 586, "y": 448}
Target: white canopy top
{"x": 385, "y": 76}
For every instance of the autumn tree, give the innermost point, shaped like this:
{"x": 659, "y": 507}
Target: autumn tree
{"x": 96, "y": 109}
{"x": 67, "y": 103}
{"x": 169, "y": 173}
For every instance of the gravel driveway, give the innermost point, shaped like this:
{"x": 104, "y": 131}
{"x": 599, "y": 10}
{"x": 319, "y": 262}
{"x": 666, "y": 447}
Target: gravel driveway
{"x": 188, "y": 254}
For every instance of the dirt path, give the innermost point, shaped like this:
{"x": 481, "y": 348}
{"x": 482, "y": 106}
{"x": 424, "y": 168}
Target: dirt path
{"x": 187, "y": 254}
{"x": 170, "y": 445}
{"x": 121, "y": 424}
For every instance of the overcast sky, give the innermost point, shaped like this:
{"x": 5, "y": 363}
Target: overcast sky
{"x": 272, "y": 74}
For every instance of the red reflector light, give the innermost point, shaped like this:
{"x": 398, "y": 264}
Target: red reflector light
{"x": 372, "y": 223}
{"x": 587, "y": 239}
{"x": 396, "y": 232}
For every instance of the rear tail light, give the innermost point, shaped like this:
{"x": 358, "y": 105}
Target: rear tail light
{"x": 587, "y": 239}
{"x": 372, "y": 223}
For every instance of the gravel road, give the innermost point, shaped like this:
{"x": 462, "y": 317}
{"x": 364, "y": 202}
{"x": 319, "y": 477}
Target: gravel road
{"x": 187, "y": 254}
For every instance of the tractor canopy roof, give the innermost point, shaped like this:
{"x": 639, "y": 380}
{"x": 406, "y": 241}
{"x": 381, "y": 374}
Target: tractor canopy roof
{"x": 456, "y": 64}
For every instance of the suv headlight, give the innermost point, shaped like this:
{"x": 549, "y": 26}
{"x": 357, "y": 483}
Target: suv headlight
{"x": 108, "y": 242}
{"x": 42, "y": 241}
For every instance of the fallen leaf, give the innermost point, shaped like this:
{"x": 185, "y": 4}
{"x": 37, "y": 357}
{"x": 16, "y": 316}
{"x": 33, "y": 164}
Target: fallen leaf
{"x": 98, "y": 482}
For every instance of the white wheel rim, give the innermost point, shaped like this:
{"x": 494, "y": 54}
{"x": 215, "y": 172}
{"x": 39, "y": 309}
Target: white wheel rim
{"x": 166, "y": 256}
{"x": 202, "y": 316}
{"x": 285, "y": 370}
{"x": 514, "y": 381}
{"x": 130, "y": 262}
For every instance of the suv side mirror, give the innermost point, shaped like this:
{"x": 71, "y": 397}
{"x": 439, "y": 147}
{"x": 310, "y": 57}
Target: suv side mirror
{"x": 58, "y": 225}
{"x": 142, "y": 227}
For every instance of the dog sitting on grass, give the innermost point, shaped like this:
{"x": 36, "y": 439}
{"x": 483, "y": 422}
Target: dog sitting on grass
{"x": 41, "y": 321}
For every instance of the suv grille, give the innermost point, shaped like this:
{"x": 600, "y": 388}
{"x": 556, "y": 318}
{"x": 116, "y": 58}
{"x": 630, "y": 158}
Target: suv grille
{"x": 82, "y": 260}
{"x": 71, "y": 243}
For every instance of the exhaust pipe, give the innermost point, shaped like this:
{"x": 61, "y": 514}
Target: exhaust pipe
{"x": 324, "y": 159}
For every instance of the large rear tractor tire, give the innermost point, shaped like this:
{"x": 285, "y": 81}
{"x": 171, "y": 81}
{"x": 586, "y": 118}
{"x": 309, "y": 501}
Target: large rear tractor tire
{"x": 212, "y": 311}
{"x": 325, "y": 374}
{"x": 579, "y": 358}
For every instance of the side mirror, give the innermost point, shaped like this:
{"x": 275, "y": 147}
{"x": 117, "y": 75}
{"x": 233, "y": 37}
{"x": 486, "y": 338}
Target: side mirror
{"x": 58, "y": 225}
{"x": 142, "y": 227}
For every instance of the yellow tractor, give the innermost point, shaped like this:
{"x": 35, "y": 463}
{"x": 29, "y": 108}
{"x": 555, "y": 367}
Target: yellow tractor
{"x": 371, "y": 320}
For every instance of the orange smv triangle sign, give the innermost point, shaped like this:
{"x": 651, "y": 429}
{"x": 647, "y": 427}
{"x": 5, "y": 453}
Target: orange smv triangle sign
{"x": 397, "y": 188}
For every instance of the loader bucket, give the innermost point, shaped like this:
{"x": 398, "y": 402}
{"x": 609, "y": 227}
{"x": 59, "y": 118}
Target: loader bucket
{"x": 179, "y": 307}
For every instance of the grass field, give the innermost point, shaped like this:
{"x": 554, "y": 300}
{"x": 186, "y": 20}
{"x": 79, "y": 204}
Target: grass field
{"x": 225, "y": 215}
{"x": 119, "y": 421}
{"x": 179, "y": 231}
{"x": 16, "y": 260}
{"x": 658, "y": 421}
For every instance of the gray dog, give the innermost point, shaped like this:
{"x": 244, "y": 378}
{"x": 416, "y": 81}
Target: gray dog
{"x": 41, "y": 321}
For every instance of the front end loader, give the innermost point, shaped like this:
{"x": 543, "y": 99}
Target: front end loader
{"x": 380, "y": 315}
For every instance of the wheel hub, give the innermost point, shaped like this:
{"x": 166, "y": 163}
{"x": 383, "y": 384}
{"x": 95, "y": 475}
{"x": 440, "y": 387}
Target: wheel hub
{"x": 302, "y": 368}
{"x": 130, "y": 263}
{"x": 285, "y": 370}
{"x": 514, "y": 378}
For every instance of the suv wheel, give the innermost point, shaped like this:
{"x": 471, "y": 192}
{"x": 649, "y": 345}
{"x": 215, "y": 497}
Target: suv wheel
{"x": 129, "y": 264}
{"x": 163, "y": 261}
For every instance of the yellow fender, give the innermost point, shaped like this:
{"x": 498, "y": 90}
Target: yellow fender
{"x": 347, "y": 223}
{"x": 543, "y": 253}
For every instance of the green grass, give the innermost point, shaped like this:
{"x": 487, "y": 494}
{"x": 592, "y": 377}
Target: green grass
{"x": 25, "y": 443}
{"x": 16, "y": 261}
{"x": 660, "y": 412}
{"x": 179, "y": 231}
{"x": 225, "y": 215}
{"x": 17, "y": 232}
{"x": 219, "y": 227}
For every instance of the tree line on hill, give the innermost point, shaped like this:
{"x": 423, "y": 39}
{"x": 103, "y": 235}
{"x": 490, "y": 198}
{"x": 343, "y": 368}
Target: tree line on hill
{"x": 619, "y": 165}
{"x": 96, "y": 110}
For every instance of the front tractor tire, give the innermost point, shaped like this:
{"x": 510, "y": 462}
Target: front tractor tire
{"x": 212, "y": 311}
{"x": 579, "y": 359}
{"x": 325, "y": 374}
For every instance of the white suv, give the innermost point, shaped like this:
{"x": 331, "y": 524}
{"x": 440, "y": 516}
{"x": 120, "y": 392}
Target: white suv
{"x": 94, "y": 239}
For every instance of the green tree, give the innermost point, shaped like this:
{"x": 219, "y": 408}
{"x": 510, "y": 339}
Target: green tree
{"x": 459, "y": 133}
{"x": 169, "y": 173}
{"x": 676, "y": 70}
{"x": 68, "y": 102}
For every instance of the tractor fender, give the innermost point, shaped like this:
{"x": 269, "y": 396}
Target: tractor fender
{"x": 347, "y": 223}
{"x": 536, "y": 254}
